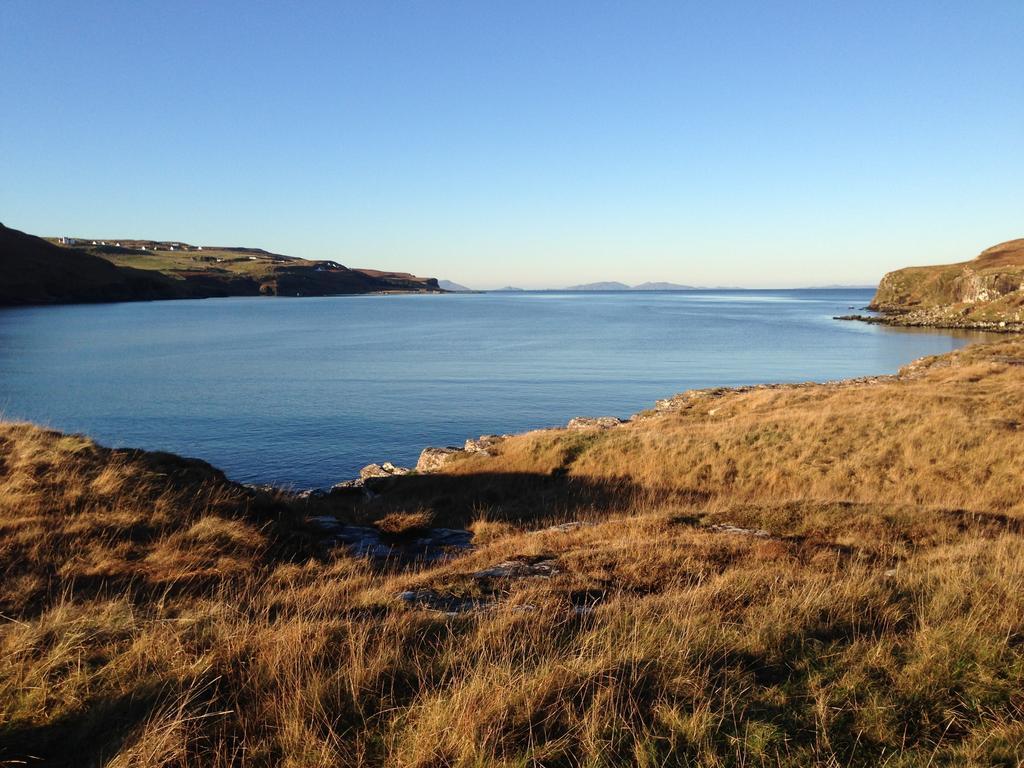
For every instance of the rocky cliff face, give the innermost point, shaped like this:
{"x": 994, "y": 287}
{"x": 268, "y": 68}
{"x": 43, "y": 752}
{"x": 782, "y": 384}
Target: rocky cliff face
{"x": 985, "y": 293}
{"x": 971, "y": 286}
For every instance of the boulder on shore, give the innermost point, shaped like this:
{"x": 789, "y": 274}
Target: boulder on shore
{"x": 369, "y": 472}
{"x": 598, "y": 422}
{"x": 387, "y": 469}
{"x": 433, "y": 459}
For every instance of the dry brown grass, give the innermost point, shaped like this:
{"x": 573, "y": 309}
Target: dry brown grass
{"x": 948, "y": 433}
{"x": 156, "y": 615}
{"x": 399, "y": 523}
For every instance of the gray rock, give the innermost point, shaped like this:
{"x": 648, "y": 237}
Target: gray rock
{"x": 433, "y": 459}
{"x": 372, "y": 470}
{"x": 585, "y": 601}
{"x": 387, "y": 469}
{"x": 519, "y": 569}
{"x": 726, "y": 528}
{"x": 325, "y": 523}
{"x": 564, "y": 527}
{"x": 450, "y": 605}
{"x": 431, "y": 545}
{"x": 262, "y": 488}
{"x": 484, "y": 444}
{"x": 347, "y": 485}
{"x": 598, "y": 422}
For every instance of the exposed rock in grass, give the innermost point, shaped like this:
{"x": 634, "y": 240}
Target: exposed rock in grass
{"x": 412, "y": 543}
{"x": 433, "y": 459}
{"x": 520, "y": 567}
{"x": 448, "y": 604}
{"x": 598, "y": 422}
{"x": 485, "y": 444}
{"x": 726, "y": 528}
{"x": 487, "y": 597}
{"x": 326, "y": 523}
{"x": 584, "y": 601}
{"x": 563, "y": 527}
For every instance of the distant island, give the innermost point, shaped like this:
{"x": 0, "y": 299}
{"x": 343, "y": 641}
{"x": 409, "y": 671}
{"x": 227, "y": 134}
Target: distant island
{"x": 453, "y": 287}
{"x": 69, "y": 270}
{"x": 662, "y": 287}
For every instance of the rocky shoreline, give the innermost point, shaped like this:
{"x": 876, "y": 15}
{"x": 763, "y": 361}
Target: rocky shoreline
{"x": 434, "y": 458}
{"x": 343, "y": 514}
{"x": 942, "y": 318}
{"x": 336, "y": 514}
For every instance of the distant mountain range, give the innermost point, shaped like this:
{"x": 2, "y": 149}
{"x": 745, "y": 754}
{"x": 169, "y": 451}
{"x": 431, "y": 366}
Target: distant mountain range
{"x": 662, "y": 287}
{"x": 453, "y": 287}
{"x": 613, "y": 286}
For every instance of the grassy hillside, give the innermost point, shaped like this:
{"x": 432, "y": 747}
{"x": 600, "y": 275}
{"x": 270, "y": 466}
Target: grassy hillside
{"x": 39, "y": 271}
{"x": 253, "y": 271}
{"x": 780, "y": 576}
{"x": 983, "y": 292}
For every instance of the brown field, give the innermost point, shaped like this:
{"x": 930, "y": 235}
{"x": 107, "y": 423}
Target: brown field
{"x": 797, "y": 575}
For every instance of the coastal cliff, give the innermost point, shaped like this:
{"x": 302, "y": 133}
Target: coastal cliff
{"x": 986, "y": 293}
{"x": 786, "y": 575}
{"x": 71, "y": 270}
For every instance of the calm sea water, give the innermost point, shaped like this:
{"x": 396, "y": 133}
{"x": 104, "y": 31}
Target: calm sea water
{"x": 306, "y": 391}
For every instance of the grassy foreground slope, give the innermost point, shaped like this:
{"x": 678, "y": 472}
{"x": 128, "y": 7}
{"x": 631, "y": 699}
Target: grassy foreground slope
{"x": 986, "y": 292}
{"x": 794, "y": 575}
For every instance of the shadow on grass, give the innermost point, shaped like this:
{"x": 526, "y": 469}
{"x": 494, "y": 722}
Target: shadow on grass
{"x": 524, "y": 498}
{"x": 87, "y": 736}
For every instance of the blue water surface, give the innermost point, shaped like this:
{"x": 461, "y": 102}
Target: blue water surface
{"x": 305, "y": 391}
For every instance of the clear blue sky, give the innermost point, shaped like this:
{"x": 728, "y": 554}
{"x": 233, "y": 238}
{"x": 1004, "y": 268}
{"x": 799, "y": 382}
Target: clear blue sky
{"x": 535, "y": 144}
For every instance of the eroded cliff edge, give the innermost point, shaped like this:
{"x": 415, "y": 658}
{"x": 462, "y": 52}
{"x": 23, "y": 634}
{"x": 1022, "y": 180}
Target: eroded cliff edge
{"x": 986, "y": 293}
